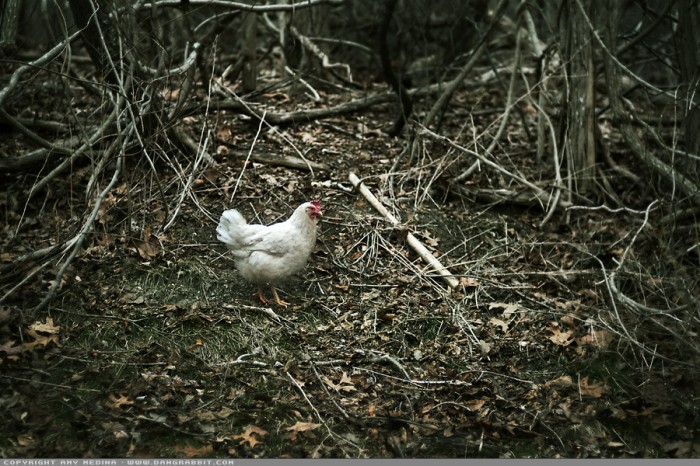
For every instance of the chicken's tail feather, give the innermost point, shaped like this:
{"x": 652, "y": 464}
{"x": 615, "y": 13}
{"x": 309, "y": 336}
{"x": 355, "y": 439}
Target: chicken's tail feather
{"x": 229, "y": 224}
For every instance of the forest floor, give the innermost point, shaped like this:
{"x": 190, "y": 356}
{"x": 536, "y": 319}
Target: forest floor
{"x": 155, "y": 347}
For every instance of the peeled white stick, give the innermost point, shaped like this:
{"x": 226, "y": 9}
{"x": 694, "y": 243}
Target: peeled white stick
{"x": 412, "y": 241}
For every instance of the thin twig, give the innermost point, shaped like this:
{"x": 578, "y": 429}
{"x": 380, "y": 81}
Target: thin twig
{"x": 325, "y": 389}
{"x": 250, "y": 151}
{"x": 303, "y": 393}
{"x": 393, "y": 362}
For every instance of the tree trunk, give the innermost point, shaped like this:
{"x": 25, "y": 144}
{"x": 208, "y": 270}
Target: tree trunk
{"x": 687, "y": 39}
{"x": 577, "y": 52}
{"x": 250, "y": 47}
{"x": 9, "y": 16}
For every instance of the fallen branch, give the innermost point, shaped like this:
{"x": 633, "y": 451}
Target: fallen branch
{"x": 412, "y": 241}
{"x": 288, "y": 161}
{"x": 358, "y": 104}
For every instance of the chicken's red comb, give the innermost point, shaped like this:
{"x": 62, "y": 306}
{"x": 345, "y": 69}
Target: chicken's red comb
{"x": 316, "y": 204}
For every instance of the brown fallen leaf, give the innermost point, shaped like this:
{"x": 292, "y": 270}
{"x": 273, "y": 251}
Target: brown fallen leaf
{"x": 132, "y": 298}
{"x": 474, "y": 405}
{"x": 559, "y": 337}
{"x": 563, "y": 381}
{"x": 40, "y": 340}
{"x": 569, "y": 319}
{"x": 496, "y": 322}
{"x": 11, "y": 349}
{"x": 26, "y": 440}
{"x": 192, "y": 452}
{"x": 371, "y": 409}
{"x": 303, "y": 426}
{"x": 507, "y": 308}
{"x": 592, "y": 389}
{"x": 149, "y": 246}
{"x": 300, "y": 427}
{"x": 597, "y": 339}
{"x": 345, "y": 383}
{"x": 248, "y": 435}
{"x": 116, "y": 403}
{"x": 47, "y": 327}
{"x": 468, "y": 282}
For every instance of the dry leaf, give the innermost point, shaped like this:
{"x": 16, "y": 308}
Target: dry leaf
{"x": 499, "y": 323}
{"x": 47, "y": 327}
{"x": 10, "y": 349}
{"x": 41, "y": 340}
{"x": 474, "y": 405}
{"x": 345, "y": 383}
{"x": 371, "y": 409}
{"x": 597, "y": 338}
{"x": 117, "y": 403}
{"x": 132, "y": 298}
{"x": 592, "y": 389}
{"x": 191, "y": 452}
{"x": 224, "y": 133}
{"x": 303, "y": 426}
{"x": 345, "y": 379}
{"x": 468, "y": 282}
{"x": 148, "y": 247}
{"x": 248, "y": 435}
{"x": 563, "y": 381}
{"x": 569, "y": 319}
{"x": 507, "y": 308}
{"x": 225, "y": 412}
{"x": 559, "y": 337}
{"x": 430, "y": 239}
{"x": 26, "y": 440}
{"x": 308, "y": 138}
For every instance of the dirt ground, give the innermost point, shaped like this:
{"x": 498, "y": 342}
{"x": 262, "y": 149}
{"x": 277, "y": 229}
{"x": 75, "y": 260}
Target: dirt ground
{"x": 155, "y": 347}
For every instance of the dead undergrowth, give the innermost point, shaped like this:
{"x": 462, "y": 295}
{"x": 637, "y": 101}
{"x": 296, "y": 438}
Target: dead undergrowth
{"x": 572, "y": 338}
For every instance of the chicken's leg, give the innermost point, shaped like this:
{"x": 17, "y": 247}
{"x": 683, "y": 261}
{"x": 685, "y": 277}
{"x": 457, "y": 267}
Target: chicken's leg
{"x": 261, "y": 296}
{"x": 277, "y": 298}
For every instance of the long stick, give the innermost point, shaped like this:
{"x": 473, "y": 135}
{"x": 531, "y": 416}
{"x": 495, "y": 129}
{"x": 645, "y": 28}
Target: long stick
{"x": 412, "y": 241}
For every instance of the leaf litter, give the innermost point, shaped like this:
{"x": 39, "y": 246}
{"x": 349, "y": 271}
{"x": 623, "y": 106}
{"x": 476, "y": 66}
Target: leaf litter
{"x": 156, "y": 341}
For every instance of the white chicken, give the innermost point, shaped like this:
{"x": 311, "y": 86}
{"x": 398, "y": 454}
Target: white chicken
{"x": 266, "y": 255}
